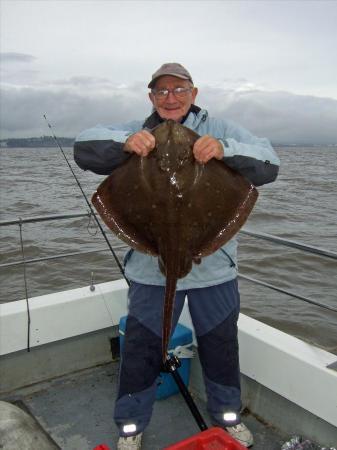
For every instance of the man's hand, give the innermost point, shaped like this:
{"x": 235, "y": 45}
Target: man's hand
{"x": 141, "y": 143}
{"x": 206, "y": 148}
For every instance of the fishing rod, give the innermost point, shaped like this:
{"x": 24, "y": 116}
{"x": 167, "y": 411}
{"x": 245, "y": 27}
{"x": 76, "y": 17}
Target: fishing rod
{"x": 87, "y": 201}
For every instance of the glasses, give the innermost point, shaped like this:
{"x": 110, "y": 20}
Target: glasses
{"x": 178, "y": 92}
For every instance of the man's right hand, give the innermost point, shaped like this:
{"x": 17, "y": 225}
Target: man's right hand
{"x": 141, "y": 143}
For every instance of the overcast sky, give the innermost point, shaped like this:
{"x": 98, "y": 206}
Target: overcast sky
{"x": 269, "y": 65}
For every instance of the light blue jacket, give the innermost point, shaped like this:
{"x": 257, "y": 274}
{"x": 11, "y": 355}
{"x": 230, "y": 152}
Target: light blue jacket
{"x": 100, "y": 150}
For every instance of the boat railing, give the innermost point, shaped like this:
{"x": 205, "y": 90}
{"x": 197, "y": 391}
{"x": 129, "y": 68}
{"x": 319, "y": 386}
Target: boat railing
{"x": 267, "y": 237}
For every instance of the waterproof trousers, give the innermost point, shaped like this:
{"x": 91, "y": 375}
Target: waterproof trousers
{"x": 214, "y": 311}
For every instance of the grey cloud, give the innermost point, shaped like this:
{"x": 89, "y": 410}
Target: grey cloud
{"x": 83, "y": 81}
{"x": 20, "y": 77}
{"x": 13, "y": 57}
{"x": 16, "y": 68}
{"x": 281, "y": 116}
{"x": 70, "y": 112}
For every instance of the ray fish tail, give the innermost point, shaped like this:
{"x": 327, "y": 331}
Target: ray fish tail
{"x": 170, "y": 292}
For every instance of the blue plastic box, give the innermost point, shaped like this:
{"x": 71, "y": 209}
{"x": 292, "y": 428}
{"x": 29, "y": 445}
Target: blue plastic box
{"x": 182, "y": 336}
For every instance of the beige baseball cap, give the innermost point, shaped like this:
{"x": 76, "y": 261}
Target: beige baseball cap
{"x": 174, "y": 69}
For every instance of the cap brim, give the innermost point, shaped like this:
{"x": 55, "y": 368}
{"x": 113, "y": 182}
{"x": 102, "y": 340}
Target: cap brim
{"x": 153, "y": 82}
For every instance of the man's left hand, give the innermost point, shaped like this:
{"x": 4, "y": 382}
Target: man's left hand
{"x": 206, "y": 148}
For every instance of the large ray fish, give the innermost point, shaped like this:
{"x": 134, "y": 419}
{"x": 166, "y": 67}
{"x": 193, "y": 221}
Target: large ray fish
{"x": 169, "y": 205}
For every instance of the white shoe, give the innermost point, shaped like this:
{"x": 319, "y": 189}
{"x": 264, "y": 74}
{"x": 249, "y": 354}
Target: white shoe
{"x": 241, "y": 433}
{"x": 130, "y": 442}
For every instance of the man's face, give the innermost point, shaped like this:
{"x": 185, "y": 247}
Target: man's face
{"x": 171, "y": 107}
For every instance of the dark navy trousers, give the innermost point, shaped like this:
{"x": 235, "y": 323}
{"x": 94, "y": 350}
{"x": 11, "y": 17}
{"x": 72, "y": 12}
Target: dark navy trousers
{"x": 214, "y": 311}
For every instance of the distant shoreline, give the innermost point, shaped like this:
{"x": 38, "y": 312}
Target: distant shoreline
{"x": 36, "y": 142}
{"x": 49, "y": 141}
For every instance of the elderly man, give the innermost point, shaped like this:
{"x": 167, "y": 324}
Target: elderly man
{"x": 211, "y": 287}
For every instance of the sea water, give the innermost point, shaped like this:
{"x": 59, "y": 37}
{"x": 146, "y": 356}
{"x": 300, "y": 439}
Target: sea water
{"x": 300, "y": 205}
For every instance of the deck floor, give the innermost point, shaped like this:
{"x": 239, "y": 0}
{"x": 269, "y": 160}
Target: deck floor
{"x": 77, "y": 412}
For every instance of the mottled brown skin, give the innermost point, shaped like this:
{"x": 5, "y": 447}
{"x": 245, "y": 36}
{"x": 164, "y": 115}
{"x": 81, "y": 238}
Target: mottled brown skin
{"x": 170, "y": 206}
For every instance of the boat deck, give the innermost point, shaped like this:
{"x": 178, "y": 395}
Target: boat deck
{"x": 76, "y": 411}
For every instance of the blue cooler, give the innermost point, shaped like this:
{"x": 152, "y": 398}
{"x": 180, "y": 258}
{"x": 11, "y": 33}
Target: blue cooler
{"x": 181, "y": 345}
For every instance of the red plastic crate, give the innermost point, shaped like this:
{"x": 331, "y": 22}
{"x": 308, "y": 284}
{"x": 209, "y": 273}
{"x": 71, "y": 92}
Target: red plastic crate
{"x": 211, "y": 439}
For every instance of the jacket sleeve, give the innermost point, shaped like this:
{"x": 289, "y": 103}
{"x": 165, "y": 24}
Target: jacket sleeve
{"x": 252, "y": 156}
{"x": 100, "y": 149}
